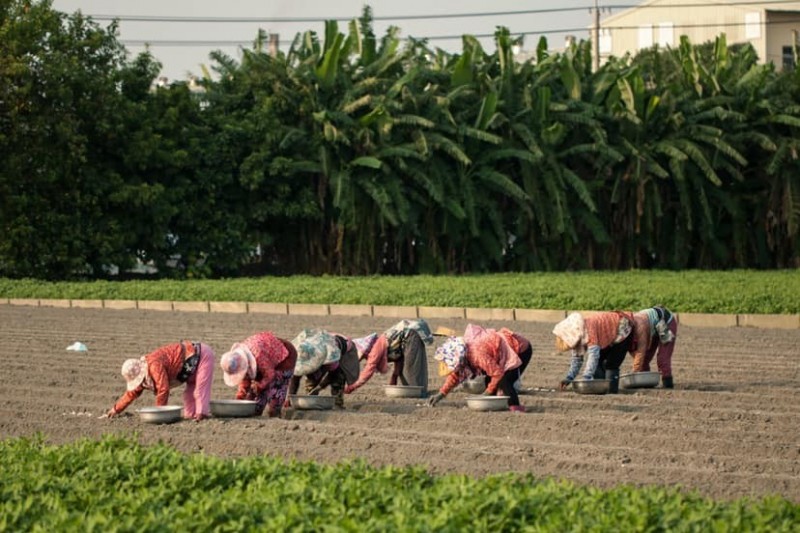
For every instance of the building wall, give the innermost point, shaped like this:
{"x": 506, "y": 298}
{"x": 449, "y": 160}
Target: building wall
{"x": 643, "y": 26}
{"x": 779, "y": 34}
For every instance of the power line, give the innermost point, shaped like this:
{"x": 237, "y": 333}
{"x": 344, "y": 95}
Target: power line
{"x": 162, "y": 18}
{"x": 168, "y": 42}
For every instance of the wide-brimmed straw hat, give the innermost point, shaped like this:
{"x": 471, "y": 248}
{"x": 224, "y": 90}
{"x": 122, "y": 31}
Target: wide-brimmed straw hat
{"x": 134, "y": 371}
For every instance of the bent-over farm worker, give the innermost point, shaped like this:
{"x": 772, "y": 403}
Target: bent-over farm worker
{"x": 262, "y": 367}
{"x": 656, "y": 331}
{"x": 480, "y": 352}
{"x": 171, "y": 365}
{"x": 606, "y": 338}
{"x": 325, "y": 359}
{"x": 404, "y": 345}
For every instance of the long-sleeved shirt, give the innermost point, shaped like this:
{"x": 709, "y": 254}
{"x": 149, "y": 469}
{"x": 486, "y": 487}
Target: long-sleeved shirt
{"x": 517, "y": 342}
{"x": 163, "y": 366}
{"x": 647, "y": 343}
{"x": 487, "y": 353}
{"x": 601, "y": 330}
{"x": 377, "y": 361}
{"x": 271, "y": 355}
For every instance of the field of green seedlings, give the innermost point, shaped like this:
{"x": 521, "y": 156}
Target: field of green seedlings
{"x": 117, "y": 485}
{"x": 687, "y": 291}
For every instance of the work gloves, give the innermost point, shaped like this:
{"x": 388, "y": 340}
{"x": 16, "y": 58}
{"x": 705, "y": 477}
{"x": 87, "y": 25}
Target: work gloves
{"x": 436, "y": 398}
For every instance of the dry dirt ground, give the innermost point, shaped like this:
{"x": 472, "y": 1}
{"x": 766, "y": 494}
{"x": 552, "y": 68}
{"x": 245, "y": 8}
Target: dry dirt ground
{"x": 730, "y": 428}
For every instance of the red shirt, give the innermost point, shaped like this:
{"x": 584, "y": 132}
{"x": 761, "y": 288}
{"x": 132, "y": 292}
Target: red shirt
{"x": 487, "y": 353}
{"x": 163, "y": 366}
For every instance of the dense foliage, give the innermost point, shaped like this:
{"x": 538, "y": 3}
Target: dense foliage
{"x": 118, "y": 485}
{"x": 356, "y": 154}
{"x": 686, "y": 291}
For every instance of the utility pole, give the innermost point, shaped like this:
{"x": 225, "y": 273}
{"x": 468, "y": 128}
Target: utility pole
{"x": 596, "y": 38}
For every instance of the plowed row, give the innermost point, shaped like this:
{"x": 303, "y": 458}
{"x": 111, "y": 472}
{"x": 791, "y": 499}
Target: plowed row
{"x": 728, "y": 429}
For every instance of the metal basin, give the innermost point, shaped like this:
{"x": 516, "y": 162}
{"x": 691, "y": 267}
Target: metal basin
{"x": 165, "y": 414}
{"x": 590, "y": 386}
{"x": 639, "y": 380}
{"x": 474, "y": 385}
{"x": 312, "y": 403}
{"x": 487, "y": 403}
{"x": 403, "y": 391}
{"x": 233, "y": 408}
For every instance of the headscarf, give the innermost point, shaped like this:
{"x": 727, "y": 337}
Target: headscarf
{"x": 398, "y": 330}
{"x": 572, "y": 330}
{"x": 364, "y": 344}
{"x": 452, "y": 354}
{"x": 659, "y": 318}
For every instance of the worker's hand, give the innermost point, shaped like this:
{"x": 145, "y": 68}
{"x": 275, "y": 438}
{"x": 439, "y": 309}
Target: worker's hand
{"x": 436, "y": 398}
{"x": 564, "y": 384}
{"x": 255, "y": 388}
{"x": 314, "y": 392}
{"x": 111, "y": 413}
{"x": 487, "y": 393}
{"x": 349, "y": 389}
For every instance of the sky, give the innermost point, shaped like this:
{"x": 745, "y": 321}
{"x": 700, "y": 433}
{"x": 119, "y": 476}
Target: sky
{"x": 168, "y": 39}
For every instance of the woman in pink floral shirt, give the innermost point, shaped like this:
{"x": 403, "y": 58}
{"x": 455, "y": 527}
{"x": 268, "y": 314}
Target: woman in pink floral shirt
{"x": 262, "y": 367}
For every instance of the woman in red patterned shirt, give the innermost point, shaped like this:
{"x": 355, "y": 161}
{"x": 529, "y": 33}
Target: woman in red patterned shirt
{"x": 186, "y": 362}
{"x": 482, "y": 352}
{"x": 262, "y": 367}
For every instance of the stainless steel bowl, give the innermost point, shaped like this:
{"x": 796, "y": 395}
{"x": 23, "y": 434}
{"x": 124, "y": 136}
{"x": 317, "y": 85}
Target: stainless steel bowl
{"x": 639, "y": 380}
{"x": 233, "y": 408}
{"x": 474, "y": 385}
{"x": 312, "y": 403}
{"x": 590, "y": 386}
{"x": 165, "y": 414}
{"x": 487, "y": 403}
{"x": 403, "y": 391}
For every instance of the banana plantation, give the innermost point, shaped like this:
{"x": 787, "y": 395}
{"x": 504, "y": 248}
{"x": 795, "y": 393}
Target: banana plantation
{"x": 356, "y": 153}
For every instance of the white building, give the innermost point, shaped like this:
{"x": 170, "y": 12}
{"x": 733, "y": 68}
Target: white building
{"x": 771, "y": 27}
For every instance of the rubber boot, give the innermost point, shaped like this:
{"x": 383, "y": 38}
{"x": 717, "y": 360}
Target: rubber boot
{"x": 667, "y": 382}
{"x": 613, "y": 381}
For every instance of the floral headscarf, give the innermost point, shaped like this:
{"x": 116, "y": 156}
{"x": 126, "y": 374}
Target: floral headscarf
{"x": 453, "y": 353}
{"x": 572, "y": 330}
{"x": 364, "y": 344}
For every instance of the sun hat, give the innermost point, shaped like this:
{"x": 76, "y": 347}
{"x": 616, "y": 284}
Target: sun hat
{"x": 134, "y": 372}
{"x": 235, "y": 364}
{"x": 315, "y": 348}
{"x": 571, "y": 330}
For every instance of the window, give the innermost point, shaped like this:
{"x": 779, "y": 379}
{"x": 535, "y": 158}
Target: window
{"x": 645, "y": 36}
{"x": 752, "y": 25}
{"x": 666, "y": 35}
{"x": 605, "y": 41}
{"x": 788, "y": 58}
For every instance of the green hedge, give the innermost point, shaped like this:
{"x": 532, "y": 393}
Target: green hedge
{"x": 117, "y": 485}
{"x": 687, "y": 291}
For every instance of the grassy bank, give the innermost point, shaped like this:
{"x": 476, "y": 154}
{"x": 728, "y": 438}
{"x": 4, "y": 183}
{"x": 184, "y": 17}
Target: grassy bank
{"x": 117, "y": 485}
{"x": 688, "y": 291}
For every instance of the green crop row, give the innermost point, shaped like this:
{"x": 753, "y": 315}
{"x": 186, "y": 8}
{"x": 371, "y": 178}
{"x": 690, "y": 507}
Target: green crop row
{"x": 117, "y": 485}
{"x": 686, "y": 291}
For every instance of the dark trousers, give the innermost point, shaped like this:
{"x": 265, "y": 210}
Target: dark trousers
{"x": 611, "y": 357}
{"x": 507, "y": 381}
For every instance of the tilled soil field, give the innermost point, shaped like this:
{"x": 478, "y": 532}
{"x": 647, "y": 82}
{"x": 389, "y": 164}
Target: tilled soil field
{"x": 730, "y": 428}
